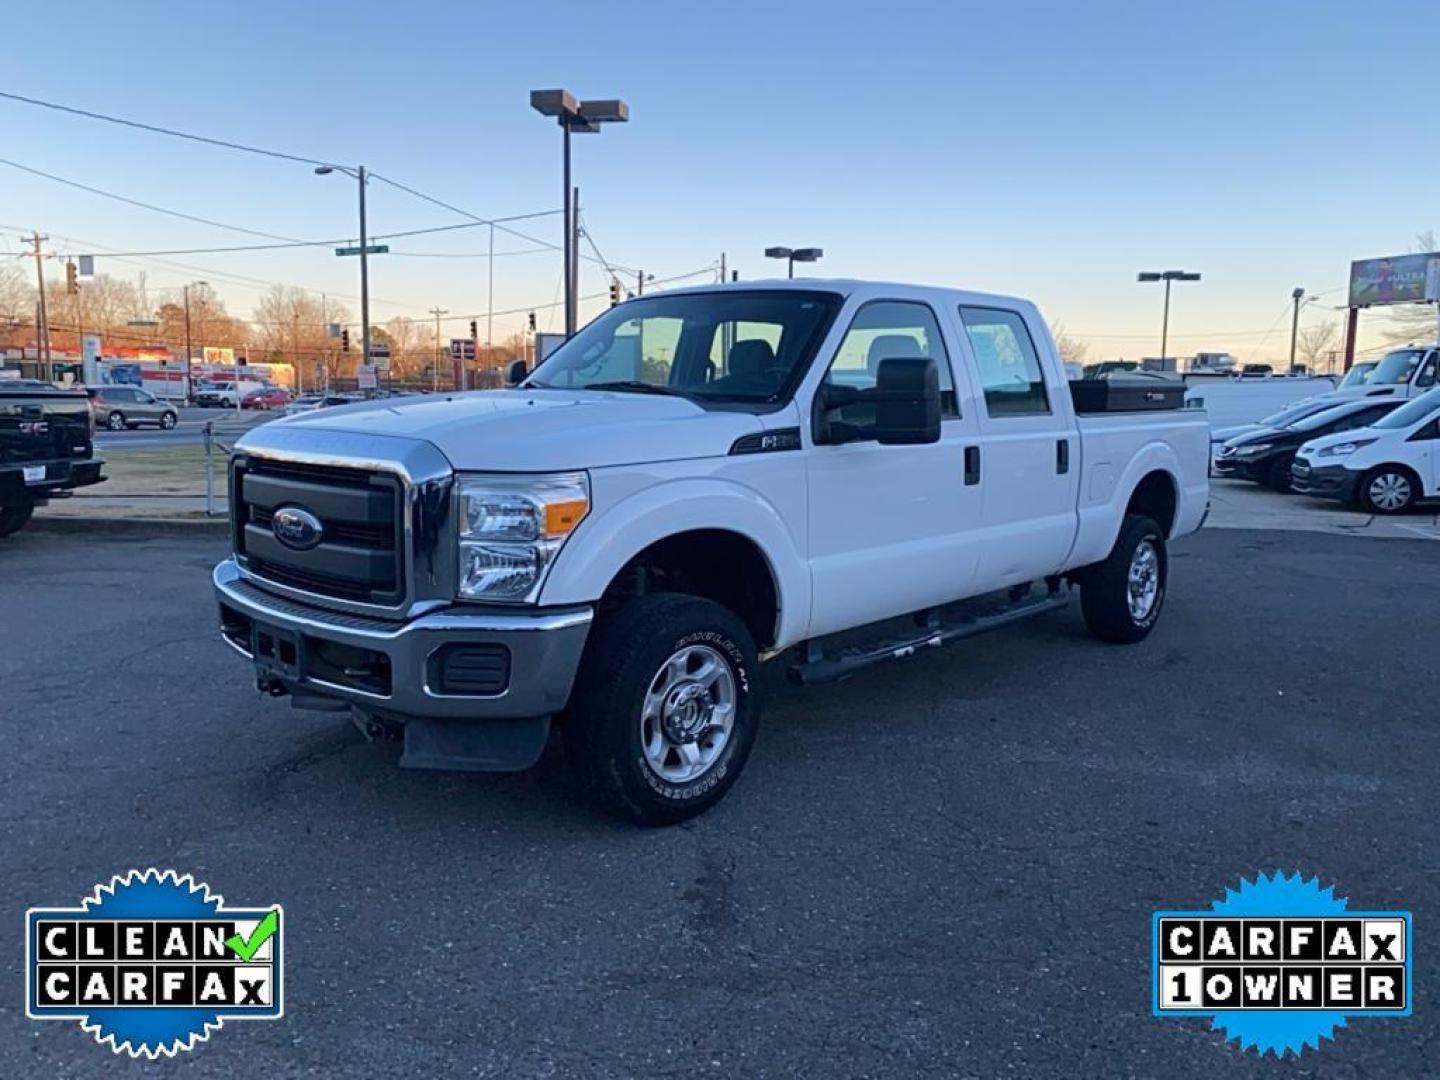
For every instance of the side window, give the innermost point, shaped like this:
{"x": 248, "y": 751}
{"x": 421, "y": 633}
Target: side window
{"x": 1427, "y": 373}
{"x": 884, "y": 330}
{"x": 1009, "y": 366}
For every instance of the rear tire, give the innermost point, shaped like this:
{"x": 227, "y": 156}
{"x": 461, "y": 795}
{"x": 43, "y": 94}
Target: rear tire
{"x": 663, "y": 714}
{"x": 115, "y": 421}
{"x": 15, "y": 518}
{"x": 1122, "y": 596}
{"x": 1388, "y": 489}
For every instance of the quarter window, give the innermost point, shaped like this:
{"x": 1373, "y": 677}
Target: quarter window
{"x": 1009, "y": 366}
{"x": 884, "y": 330}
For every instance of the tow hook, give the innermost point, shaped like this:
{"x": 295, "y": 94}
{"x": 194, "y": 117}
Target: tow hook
{"x": 272, "y": 686}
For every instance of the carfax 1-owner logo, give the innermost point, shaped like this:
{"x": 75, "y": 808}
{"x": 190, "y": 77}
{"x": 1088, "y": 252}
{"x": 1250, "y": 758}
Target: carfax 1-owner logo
{"x": 153, "y": 962}
{"x": 1280, "y": 963}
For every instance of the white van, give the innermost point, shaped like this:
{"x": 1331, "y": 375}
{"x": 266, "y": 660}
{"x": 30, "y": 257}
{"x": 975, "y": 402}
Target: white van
{"x": 1385, "y": 468}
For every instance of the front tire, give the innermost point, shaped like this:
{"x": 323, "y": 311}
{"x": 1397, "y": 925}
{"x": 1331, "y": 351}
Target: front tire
{"x": 15, "y": 518}
{"x": 1122, "y": 596}
{"x": 1279, "y": 478}
{"x": 1388, "y": 489}
{"x": 663, "y": 714}
{"x": 167, "y": 421}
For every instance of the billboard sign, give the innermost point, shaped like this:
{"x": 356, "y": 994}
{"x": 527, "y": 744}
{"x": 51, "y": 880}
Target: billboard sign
{"x": 1398, "y": 279}
{"x": 462, "y": 349}
{"x": 214, "y": 354}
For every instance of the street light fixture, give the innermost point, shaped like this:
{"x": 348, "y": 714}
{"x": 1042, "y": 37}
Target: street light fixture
{"x": 583, "y": 117}
{"x": 1166, "y": 276}
{"x": 358, "y": 174}
{"x": 794, "y": 255}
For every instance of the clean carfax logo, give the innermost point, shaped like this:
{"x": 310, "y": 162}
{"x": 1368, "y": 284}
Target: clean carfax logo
{"x": 152, "y": 962}
{"x": 1280, "y": 963}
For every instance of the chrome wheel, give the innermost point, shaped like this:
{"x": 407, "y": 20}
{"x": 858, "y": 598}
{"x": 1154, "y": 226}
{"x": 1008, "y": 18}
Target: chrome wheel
{"x": 689, "y": 711}
{"x": 1389, "y": 491}
{"x": 1143, "y": 581}
{"x": 116, "y": 422}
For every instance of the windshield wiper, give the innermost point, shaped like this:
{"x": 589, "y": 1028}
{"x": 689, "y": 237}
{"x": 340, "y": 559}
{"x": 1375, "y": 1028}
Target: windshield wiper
{"x": 636, "y": 386}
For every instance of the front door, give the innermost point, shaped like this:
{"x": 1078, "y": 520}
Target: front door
{"x": 1029, "y": 453}
{"x": 891, "y": 527}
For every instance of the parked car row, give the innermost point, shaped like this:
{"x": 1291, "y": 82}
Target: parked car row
{"x": 1381, "y": 455}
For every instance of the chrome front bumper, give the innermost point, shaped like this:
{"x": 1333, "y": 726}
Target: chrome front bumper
{"x": 544, "y": 649}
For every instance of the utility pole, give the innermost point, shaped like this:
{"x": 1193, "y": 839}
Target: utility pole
{"x": 723, "y": 275}
{"x": 1295, "y": 325}
{"x": 490, "y": 301}
{"x": 437, "y": 312}
{"x": 295, "y": 344}
{"x": 186, "y": 293}
{"x": 43, "y": 331}
{"x": 639, "y": 282}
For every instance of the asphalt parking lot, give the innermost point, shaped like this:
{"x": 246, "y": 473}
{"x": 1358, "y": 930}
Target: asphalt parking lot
{"x": 942, "y": 867}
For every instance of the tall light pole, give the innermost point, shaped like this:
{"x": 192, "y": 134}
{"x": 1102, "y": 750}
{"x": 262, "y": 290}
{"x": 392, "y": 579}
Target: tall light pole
{"x": 791, "y": 255}
{"x": 358, "y": 173}
{"x": 584, "y": 117}
{"x": 1166, "y": 276}
{"x": 1296, "y": 296}
{"x": 185, "y": 291}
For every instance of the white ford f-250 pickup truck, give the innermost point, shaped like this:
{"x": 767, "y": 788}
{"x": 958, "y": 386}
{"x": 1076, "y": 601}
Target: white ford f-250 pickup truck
{"x": 697, "y": 481}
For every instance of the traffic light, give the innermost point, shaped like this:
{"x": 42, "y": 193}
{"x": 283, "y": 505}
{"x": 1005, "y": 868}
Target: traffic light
{"x": 474, "y": 330}
{"x": 345, "y": 340}
{"x": 72, "y": 283}
{"x": 614, "y": 292}
{"x": 532, "y": 322}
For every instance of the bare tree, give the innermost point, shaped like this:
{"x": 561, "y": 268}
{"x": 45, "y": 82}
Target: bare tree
{"x": 1316, "y": 343}
{"x": 1405, "y": 323}
{"x": 1071, "y": 349}
{"x": 17, "y": 297}
{"x": 292, "y": 325}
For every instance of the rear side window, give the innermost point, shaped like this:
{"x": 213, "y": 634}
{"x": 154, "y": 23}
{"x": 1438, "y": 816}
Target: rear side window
{"x": 1009, "y": 366}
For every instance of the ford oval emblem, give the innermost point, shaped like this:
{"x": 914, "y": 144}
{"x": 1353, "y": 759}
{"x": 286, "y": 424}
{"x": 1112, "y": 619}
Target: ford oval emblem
{"x": 297, "y": 528}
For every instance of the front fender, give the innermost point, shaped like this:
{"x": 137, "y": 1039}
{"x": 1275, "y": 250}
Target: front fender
{"x": 604, "y": 543}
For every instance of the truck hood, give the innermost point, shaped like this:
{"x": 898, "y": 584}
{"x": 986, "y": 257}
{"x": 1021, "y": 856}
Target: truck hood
{"x": 542, "y": 430}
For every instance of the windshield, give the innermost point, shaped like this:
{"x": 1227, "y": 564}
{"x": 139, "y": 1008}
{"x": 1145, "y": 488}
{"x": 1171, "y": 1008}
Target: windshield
{"x": 731, "y": 345}
{"x": 1359, "y": 375}
{"x": 1411, "y": 412}
{"x": 1396, "y": 368}
{"x": 1330, "y": 415}
{"x": 1301, "y": 409}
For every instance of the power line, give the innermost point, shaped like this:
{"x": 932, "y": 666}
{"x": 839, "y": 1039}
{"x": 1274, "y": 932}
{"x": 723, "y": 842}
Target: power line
{"x": 290, "y": 240}
{"x": 156, "y": 129}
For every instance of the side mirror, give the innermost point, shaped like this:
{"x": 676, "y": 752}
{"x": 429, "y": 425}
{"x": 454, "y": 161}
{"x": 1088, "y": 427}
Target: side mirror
{"x": 907, "y": 401}
{"x": 516, "y": 373}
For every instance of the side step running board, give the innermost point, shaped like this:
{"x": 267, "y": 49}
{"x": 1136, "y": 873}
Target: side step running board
{"x": 817, "y": 667}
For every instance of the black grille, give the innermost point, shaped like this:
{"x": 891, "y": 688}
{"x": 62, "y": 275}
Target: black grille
{"x": 360, "y": 555}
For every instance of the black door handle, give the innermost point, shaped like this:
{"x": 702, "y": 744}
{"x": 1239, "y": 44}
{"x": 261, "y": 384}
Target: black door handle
{"x": 972, "y": 465}
{"x": 1062, "y": 456}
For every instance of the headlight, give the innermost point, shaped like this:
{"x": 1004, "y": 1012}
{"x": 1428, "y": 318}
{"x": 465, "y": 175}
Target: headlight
{"x": 511, "y": 529}
{"x": 1257, "y": 448}
{"x": 1341, "y": 449}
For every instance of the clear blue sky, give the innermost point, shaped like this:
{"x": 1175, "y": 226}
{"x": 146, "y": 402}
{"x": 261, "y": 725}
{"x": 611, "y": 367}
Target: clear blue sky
{"x": 1049, "y": 149}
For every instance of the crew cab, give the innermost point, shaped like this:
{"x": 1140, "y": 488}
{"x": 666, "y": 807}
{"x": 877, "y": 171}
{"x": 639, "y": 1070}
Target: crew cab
{"x": 697, "y": 482}
{"x": 45, "y": 449}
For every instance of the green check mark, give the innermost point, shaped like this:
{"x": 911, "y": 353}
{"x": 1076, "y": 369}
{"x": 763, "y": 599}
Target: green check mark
{"x": 244, "y": 948}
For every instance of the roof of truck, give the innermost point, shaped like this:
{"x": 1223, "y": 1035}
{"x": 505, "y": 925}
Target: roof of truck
{"x": 846, "y": 286}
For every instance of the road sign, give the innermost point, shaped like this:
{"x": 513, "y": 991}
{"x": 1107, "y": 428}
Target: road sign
{"x": 366, "y": 374}
{"x": 372, "y": 249}
{"x": 462, "y": 349}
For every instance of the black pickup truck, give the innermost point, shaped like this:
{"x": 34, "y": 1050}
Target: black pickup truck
{"x": 45, "y": 449}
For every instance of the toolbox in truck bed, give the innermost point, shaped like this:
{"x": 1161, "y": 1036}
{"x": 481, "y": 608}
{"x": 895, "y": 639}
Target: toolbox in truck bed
{"x": 1126, "y": 394}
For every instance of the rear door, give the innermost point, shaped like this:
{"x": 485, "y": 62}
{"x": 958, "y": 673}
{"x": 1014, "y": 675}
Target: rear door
{"x": 1029, "y": 457}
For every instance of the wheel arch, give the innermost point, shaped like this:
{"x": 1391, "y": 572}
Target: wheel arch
{"x": 713, "y": 537}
